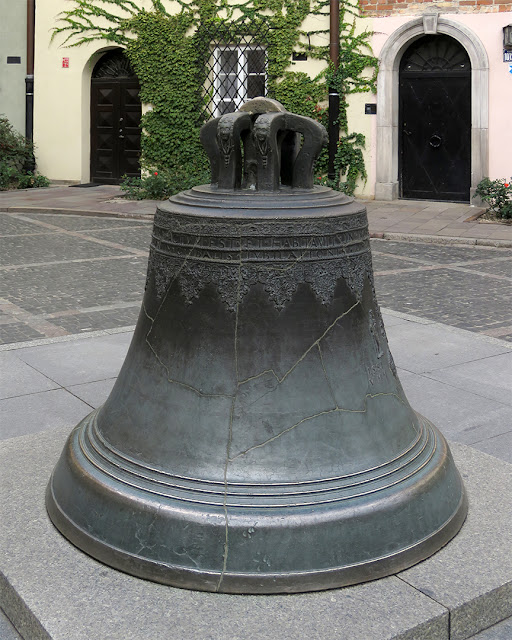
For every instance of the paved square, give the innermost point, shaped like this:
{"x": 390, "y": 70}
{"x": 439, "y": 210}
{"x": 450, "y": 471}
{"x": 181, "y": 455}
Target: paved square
{"x": 66, "y": 274}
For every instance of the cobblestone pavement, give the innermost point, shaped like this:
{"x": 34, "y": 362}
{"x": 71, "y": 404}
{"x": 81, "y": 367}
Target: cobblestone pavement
{"x": 469, "y": 287}
{"x": 66, "y": 274}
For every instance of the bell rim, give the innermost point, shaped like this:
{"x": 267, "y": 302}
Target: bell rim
{"x": 267, "y": 583}
{"x": 387, "y": 557}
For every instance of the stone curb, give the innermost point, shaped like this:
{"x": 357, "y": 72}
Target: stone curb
{"x": 12, "y": 346}
{"x": 417, "y": 237}
{"x": 79, "y": 212}
{"x": 379, "y": 235}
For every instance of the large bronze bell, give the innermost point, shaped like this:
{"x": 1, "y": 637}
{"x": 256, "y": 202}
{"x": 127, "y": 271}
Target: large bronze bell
{"x": 258, "y": 439}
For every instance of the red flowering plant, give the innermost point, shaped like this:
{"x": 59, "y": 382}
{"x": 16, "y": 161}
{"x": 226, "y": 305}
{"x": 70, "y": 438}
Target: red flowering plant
{"x": 152, "y": 186}
{"x": 160, "y": 184}
{"x": 498, "y": 195}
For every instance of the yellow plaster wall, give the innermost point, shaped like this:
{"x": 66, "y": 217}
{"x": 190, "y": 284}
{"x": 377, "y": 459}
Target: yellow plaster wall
{"x": 13, "y": 42}
{"x": 62, "y": 97}
{"x": 359, "y": 122}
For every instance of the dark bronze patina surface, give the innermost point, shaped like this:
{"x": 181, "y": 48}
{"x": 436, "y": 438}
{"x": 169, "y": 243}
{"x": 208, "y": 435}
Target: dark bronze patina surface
{"x": 258, "y": 439}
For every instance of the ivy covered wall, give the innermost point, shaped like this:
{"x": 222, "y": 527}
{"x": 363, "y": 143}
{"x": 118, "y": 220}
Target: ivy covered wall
{"x": 165, "y": 45}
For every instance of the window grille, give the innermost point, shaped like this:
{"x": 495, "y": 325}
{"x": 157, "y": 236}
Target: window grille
{"x": 236, "y": 65}
{"x": 239, "y": 75}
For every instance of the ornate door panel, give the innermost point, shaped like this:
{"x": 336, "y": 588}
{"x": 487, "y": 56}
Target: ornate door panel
{"x": 115, "y": 120}
{"x": 435, "y": 121}
{"x": 129, "y": 121}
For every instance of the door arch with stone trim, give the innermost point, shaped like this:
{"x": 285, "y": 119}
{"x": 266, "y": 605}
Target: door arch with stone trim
{"x": 434, "y": 135}
{"x": 387, "y": 169}
{"x": 115, "y": 119}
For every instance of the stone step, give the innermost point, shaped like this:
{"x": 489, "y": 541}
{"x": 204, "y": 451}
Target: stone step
{"x": 7, "y": 631}
{"x": 500, "y": 631}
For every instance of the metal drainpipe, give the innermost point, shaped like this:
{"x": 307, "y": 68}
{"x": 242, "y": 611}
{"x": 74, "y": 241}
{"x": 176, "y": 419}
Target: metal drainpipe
{"x": 334, "y": 98}
{"x": 29, "y": 80}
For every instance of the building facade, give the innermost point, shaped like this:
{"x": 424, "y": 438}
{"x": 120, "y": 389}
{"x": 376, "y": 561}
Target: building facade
{"x": 13, "y": 62}
{"x": 443, "y": 58}
{"x": 444, "y": 97}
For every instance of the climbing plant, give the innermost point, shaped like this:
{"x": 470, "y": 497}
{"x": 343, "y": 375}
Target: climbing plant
{"x": 169, "y": 51}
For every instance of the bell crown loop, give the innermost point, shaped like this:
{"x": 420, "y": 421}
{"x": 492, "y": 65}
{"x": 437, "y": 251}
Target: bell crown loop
{"x": 262, "y": 147}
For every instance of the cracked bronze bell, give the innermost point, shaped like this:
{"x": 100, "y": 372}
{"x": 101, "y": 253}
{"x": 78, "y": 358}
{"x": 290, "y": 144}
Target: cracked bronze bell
{"x": 258, "y": 439}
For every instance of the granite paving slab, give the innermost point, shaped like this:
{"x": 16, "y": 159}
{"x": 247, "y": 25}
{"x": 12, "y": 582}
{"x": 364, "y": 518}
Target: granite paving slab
{"x": 500, "y": 631}
{"x": 94, "y": 393}
{"x": 81, "y": 360}
{"x": 437, "y": 253}
{"x": 40, "y": 411}
{"x": 18, "y": 378}
{"x": 15, "y": 250}
{"x": 392, "y": 320}
{"x": 472, "y": 575}
{"x": 85, "y": 223}
{"x": 7, "y": 631}
{"x": 461, "y": 415}
{"x": 489, "y": 377}
{"x": 429, "y": 347}
{"x": 50, "y": 590}
{"x": 499, "y": 446}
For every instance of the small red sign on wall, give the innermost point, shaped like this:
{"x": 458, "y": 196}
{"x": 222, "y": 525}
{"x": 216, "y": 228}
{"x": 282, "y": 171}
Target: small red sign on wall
{"x": 65, "y": 63}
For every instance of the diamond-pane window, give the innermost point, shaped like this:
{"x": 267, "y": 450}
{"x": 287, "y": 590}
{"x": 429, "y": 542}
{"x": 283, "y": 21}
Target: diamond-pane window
{"x": 235, "y": 59}
{"x": 239, "y": 74}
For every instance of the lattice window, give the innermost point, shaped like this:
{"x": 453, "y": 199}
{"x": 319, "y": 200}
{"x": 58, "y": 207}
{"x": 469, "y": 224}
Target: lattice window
{"x": 239, "y": 75}
{"x": 236, "y": 65}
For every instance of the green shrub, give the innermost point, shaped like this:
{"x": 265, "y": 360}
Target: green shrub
{"x": 498, "y": 195}
{"x": 17, "y": 160}
{"x": 170, "y": 52}
{"x": 159, "y": 185}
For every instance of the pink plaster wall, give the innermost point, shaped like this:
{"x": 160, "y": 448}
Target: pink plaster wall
{"x": 489, "y": 29}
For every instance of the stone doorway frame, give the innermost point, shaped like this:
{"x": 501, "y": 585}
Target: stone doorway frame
{"x": 387, "y": 185}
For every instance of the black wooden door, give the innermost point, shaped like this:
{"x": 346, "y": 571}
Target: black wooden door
{"x": 435, "y": 121}
{"x": 115, "y": 121}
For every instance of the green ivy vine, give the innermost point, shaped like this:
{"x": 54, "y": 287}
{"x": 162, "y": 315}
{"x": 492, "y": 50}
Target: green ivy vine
{"x": 169, "y": 51}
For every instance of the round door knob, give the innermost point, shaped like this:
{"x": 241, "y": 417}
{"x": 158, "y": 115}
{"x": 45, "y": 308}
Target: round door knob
{"x": 435, "y": 141}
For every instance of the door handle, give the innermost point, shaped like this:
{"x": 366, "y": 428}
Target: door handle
{"x": 435, "y": 141}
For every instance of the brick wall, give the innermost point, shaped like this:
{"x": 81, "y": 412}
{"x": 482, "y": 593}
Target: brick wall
{"x": 397, "y": 7}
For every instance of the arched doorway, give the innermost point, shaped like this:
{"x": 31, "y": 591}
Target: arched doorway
{"x": 115, "y": 119}
{"x": 435, "y": 120}
{"x": 388, "y": 124}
